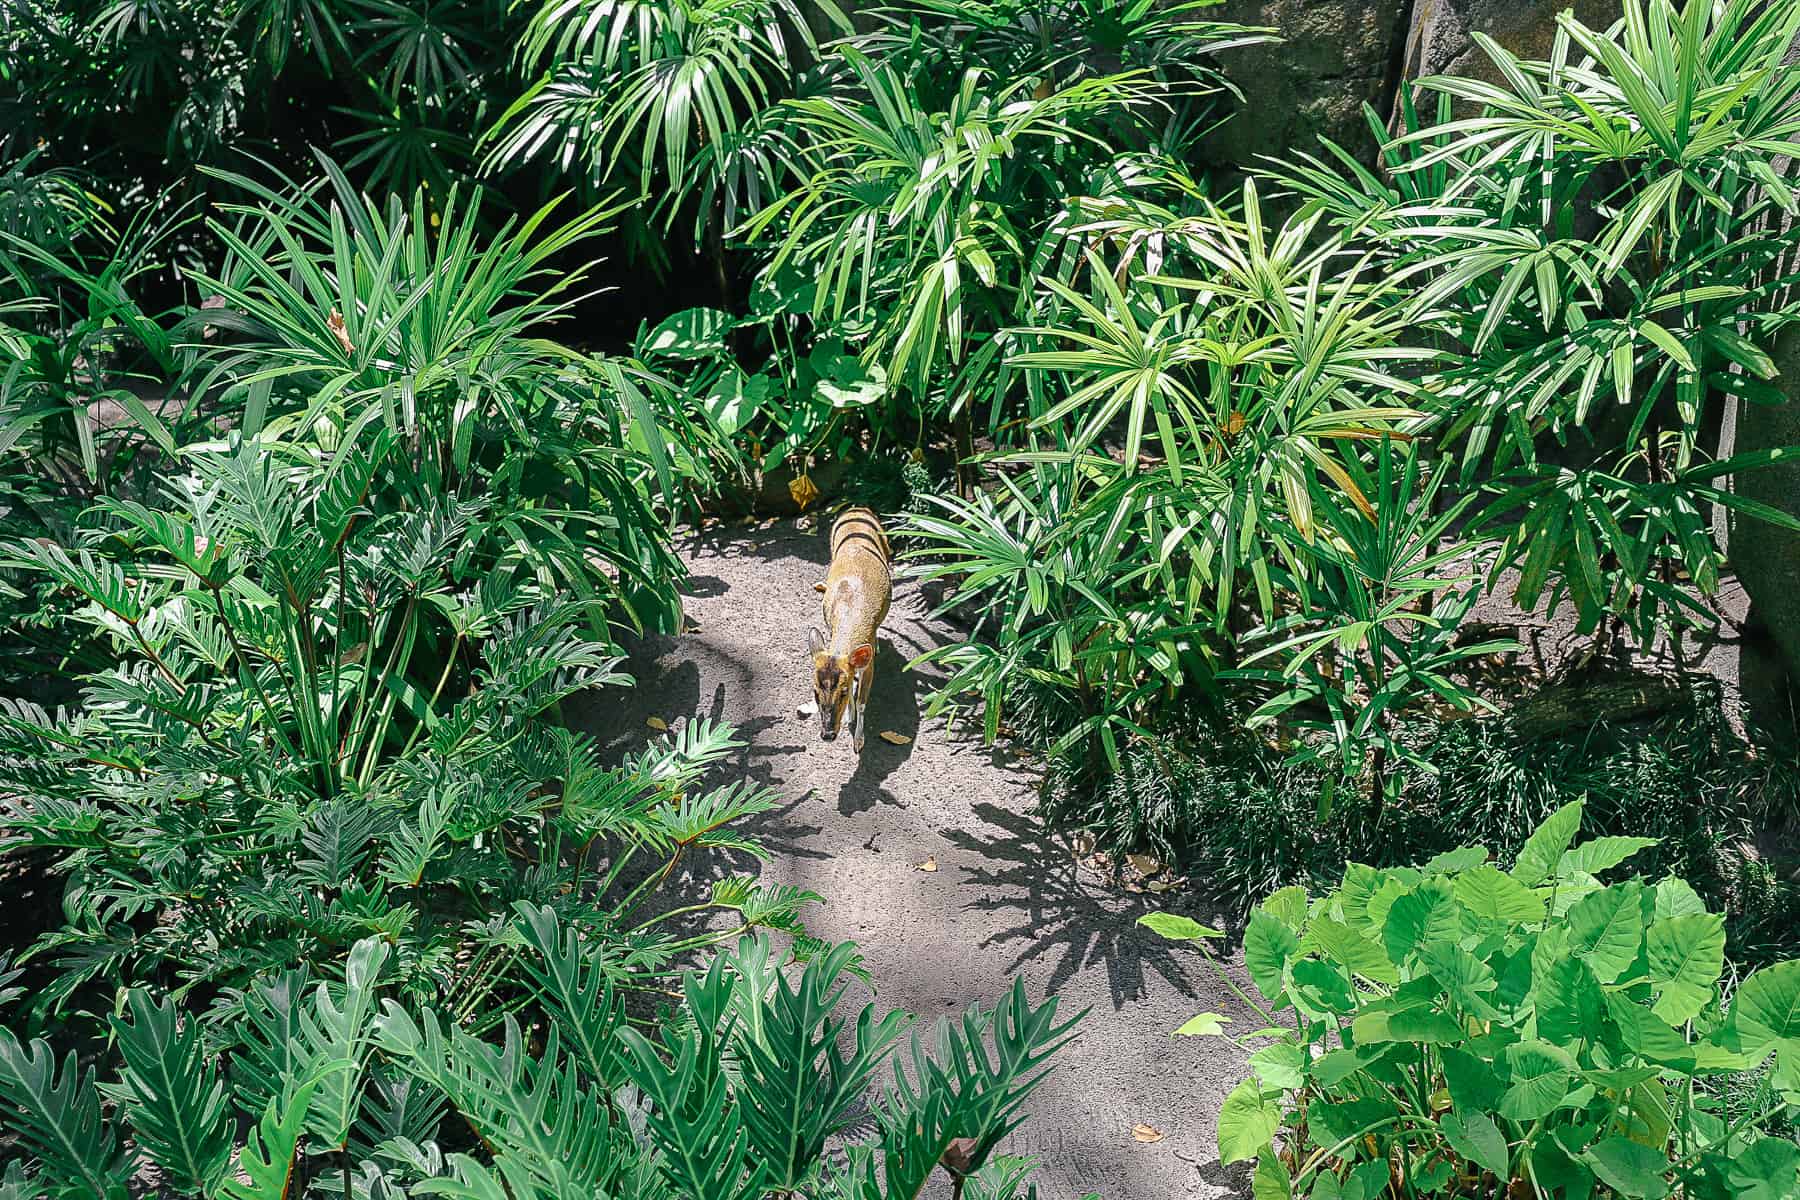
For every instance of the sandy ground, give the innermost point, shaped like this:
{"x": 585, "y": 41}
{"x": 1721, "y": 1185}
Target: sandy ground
{"x": 1005, "y": 899}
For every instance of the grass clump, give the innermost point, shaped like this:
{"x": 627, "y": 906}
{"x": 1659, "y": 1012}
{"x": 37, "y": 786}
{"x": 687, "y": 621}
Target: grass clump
{"x": 1241, "y": 820}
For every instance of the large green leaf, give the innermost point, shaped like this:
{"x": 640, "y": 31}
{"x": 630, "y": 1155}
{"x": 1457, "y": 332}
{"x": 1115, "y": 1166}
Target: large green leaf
{"x": 57, "y": 1118}
{"x": 1268, "y": 947}
{"x": 1766, "y": 1008}
{"x": 1600, "y": 854}
{"x": 1428, "y": 913}
{"x": 173, "y": 1097}
{"x": 267, "y": 1159}
{"x": 1477, "y": 1139}
{"x": 1765, "y": 1170}
{"x": 1686, "y": 956}
{"x": 1569, "y": 1002}
{"x": 1539, "y": 1076}
{"x": 1629, "y": 1168}
{"x": 1489, "y": 892}
{"x": 1543, "y": 850}
{"x": 1474, "y": 1087}
{"x": 1270, "y": 1181}
{"x": 1607, "y": 929}
{"x": 1247, "y": 1122}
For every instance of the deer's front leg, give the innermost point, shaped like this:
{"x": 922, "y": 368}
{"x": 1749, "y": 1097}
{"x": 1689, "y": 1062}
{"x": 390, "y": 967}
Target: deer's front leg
{"x": 859, "y": 700}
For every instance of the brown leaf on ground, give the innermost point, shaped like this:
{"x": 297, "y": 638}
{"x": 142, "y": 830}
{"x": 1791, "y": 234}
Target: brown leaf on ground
{"x": 819, "y": 586}
{"x": 929, "y": 864}
{"x": 1146, "y": 1134}
{"x": 894, "y": 739}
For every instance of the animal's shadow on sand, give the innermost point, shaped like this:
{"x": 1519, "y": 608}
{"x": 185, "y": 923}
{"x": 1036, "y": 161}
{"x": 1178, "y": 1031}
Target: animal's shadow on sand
{"x": 893, "y": 708}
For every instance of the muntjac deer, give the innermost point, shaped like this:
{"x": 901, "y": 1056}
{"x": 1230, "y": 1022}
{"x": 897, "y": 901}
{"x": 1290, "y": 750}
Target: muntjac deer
{"x": 857, "y": 590}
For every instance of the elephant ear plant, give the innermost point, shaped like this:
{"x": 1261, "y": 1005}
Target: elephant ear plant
{"x": 1460, "y": 1029}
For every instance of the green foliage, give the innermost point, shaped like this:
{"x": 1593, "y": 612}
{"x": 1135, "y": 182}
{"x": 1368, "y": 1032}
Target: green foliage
{"x": 717, "y": 1112}
{"x": 1602, "y": 244}
{"x": 1239, "y": 820}
{"x": 1460, "y": 1027}
{"x": 324, "y": 721}
{"x": 1274, "y": 464}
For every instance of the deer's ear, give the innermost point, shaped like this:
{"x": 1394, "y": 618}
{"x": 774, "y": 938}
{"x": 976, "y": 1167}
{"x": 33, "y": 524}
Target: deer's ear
{"x": 815, "y": 641}
{"x": 861, "y": 657}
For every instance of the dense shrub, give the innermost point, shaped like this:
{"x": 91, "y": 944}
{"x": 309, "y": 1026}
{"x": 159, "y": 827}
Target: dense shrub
{"x": 298, "y": 1086}
{"x": 1277, "y": 461}
{"x": 1461, "y": 1029}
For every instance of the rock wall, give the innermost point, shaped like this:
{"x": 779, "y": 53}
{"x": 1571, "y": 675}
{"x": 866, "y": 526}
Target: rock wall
{"x": 1337, "y": 55}
{"x": 1765, "y": 556}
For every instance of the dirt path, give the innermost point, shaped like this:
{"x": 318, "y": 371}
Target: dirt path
{"x": 1005, "y": 898}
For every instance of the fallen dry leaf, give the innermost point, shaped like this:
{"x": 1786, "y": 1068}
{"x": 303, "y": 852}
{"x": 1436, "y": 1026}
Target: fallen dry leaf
{"x": 819, "y": 586}
{"x": 1143, "y": 864}
{"x": 959, "y": 1155}
{"x": 1146, "y": 1133}
{"x": 929, "y": 864}
{"x": 335, "y": 323}
{"x": 803, "y": 490}
{"x": 657, "y": 723}
{"x": 894, "y": 739}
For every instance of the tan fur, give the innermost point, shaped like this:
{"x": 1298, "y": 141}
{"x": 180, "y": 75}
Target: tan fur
{"x": 858, "y": 588}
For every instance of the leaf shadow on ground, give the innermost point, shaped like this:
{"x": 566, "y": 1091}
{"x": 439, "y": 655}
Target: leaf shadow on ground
{"x": 1060, "y": 915}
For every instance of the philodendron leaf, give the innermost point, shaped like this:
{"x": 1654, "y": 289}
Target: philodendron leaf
{"x": 1687, "y": 955}
{"x": 1543, "y": 850}
{"x": 1477, "y": 1138}
{"x": 1247, "y": 1122}
{"x": 1628, "y": 1168}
